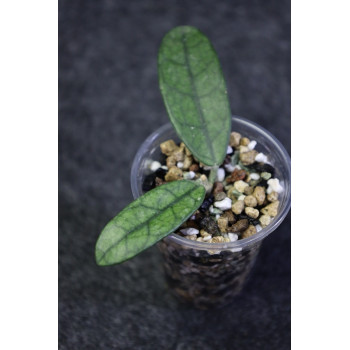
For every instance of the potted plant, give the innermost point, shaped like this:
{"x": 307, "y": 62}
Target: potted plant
{"x": 209, "y": 221}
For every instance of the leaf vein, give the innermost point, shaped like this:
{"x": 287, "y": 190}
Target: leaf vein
{"x": 178, "y": 199}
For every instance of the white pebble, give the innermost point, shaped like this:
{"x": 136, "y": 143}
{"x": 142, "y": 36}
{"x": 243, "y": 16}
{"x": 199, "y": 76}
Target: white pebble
{"x": 224, "y": 204}
{"x": 207, "y": 167}
{"x": 241, "y": 197}
{"x": 252, "y": 144}
{"x": 164, "y": 167}
{"x": 193, "y": 217}
{"x": 260, "y": 157}
{"x": 254, "y": 176}
{"x": 155, "y": 165}
{"x": 189, "y": 231}
{"x": 217, "y": 216}
{"x": 191, "y": 174}
{"x": 232, "y": 236}
{"x": 229, "y": 167}
{"x": 258, "y": 228}
{"x": 180, "y": 165}
{"x": 274, "y": 185}
{"x": 220, "y": 175}
{"x": 207, "y": 238}
{"x": 229, "y": 150}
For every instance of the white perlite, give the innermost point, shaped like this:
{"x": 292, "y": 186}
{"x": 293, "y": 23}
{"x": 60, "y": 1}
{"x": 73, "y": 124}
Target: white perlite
{"x": 260, "y": 157}
{"x": 229, "y": 167}
{"x": 229, "y": 150}
{"x": 274, "y": 185}
{"x": 191, "y": 174}
{"x": 258, "y": 228}
{"x": 155, "y": 165}
{"x": 254, "y": 176}
{"x": 252, "y": 144}
{"x": 225, "y": 204}
{"x": 180, "y": 165}
{"x": 232, "y": 236}
{"x": 189, "y": 231}
{"x": 220, "y": 176}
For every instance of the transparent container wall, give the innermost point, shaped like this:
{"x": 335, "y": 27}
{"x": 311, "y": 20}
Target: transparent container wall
{"x": 205, "y": 274}
{"x": 205, "y": 278}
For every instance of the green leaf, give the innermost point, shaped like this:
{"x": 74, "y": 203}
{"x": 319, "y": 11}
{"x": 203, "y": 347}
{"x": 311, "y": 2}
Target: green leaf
{"x": 147, "y": 220}
{"x": 194, "y": 93}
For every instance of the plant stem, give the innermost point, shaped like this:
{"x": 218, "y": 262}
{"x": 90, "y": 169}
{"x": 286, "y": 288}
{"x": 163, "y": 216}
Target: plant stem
{"x": 213, "y": 172}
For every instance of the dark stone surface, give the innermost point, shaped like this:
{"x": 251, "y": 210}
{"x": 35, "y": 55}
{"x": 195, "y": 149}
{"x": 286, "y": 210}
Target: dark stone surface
{"x": 109, "y": 102}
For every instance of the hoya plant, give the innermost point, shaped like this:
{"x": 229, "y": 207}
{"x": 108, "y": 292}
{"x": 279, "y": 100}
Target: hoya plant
{"x": 194, "y": 92}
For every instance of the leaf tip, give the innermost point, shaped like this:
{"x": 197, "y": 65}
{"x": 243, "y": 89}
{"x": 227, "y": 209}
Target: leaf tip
{"x": 99, "y": 256}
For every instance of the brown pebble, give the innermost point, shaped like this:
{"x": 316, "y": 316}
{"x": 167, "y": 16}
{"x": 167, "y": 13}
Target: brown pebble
{"x": 248, "y": 190}
{"x": 223, "y": 223}
{"x": 236, "y": 175}
{"x": 168, "y": 147}
{"x": 194, "y": 167}
{"x": 240, "y": 225}
{"x": 253, "y": 213}
{"x": 271, "y": 209}
{"x": 240, "y": 185}
{"x": 230, "y": 217}
{"x": 218, "y": 187}
{"x": 191, "y": 237}
{"x": 243, "y": 149}
{"x": 217, "y": 239}
{"x": 259, "y": 194}
{"x": 248, "y": 158}
{"x": 220, "y": 196}
{"x": 264, "y": 220}
{"x": 173, "y": 174}
{"x": 238, "y": 207}
{"x": 250, "y": 201}
{"x": 244, "y": 141}
{"x": 170, "y": 162}
{"x": 250, "y": 231}
{"x": 187, "y": 151}
{"x": 159, "y": 181}
{"x": 272, "y": 197}
{"x": 187, "y": 162}
{"x": 235, "y": 139}
{"x": 179, "y": 155}
{"x": 204, "y": 233}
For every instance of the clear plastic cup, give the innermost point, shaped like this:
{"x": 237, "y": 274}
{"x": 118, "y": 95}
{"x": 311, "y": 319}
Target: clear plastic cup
{"x": 210, "y": 274}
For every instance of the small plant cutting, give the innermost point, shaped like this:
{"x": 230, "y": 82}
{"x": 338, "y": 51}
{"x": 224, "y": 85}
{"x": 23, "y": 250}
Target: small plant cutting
{"x": 212, "y": 186}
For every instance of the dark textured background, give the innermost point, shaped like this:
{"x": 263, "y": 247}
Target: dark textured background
{"x": 109, "y": 102}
